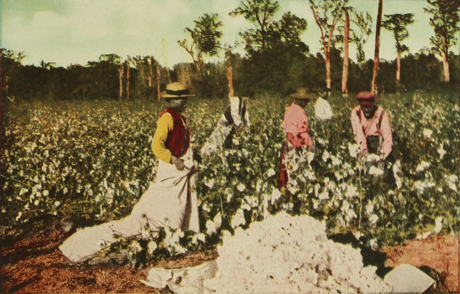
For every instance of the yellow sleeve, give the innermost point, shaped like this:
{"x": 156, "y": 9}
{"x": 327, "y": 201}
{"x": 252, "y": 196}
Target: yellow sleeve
{"x": 164, "y": 126}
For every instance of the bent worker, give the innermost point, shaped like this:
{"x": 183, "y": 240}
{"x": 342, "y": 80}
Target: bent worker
{"x": 295, "y": 125}
{"x": 170, "y": 201}
{"x": 235, "y": 117}
{"x": 323, "y": 110}
{"x": 372, "y": 130}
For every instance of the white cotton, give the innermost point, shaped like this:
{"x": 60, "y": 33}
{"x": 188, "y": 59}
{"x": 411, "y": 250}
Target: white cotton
{"x": 245, "y": 206}
{"x": 201, "y": 237}
{"x": 373, "y": 158}
{"x": 152, "y": 246}
{"x": 324, "y": 195}
{"x": 210, "y": 227}
{"x": 438, "y": 224}
{"x": 452, "y": 178}
{"x": 302, "y": 260}
{"x": 218, "y": 220}
{"x": 441, "y": 151}
{"x": 310, "y": 156}
{"x": 374, "y": 171}
{"x": 353, "y": 149}
{"x": 373, "y": 243}
{"x": 423, "y": 166}
{"x": 238, "y": 218}
{"x": 325, "y": 156}
{"x": 427, "y": 133}
{"x": 136, "y": 247}
{"x": 271, "y": 172}
{"x": 321, "y": 141}
{"x": 397, "y": 167}
{"x": 323, "y": 110}
{"x": 335, "y": 161}
{"x": 276, "y": 194}
{"x": 419, "y": 186}
{"x": 369, "y": 208}
{"x": 373, "y": 219}
{"x": 351, "y": 191}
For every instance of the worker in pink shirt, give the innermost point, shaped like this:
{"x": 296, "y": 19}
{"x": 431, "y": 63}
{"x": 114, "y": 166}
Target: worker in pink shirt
{"x": 372, "y": 130}
{"x": 295, "y": 125}
{"x": 371, "y": 127}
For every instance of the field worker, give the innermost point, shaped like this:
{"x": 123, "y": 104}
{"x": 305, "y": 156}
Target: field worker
{"x": 235, "y": 117}
{"x": 170, "y": 201}
{"x": 371, "y": 128}
{"x": 323, "y": 110}
{"x": 295, "y": 126}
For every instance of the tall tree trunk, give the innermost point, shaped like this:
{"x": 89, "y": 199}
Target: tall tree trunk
{"x": 127, "y": 80}
{"x": 377, "y": 47}
{"x": 150, "y": 73}
{"x": 231, "y": 92}
{"x": 445, "y": 63}
{"x": 398, "y": 70}
{"x": 158, "y": 82}
{"x": 345, "y": 56}
{"x": 120, "y": 69}
{"x": 328, "y": 69}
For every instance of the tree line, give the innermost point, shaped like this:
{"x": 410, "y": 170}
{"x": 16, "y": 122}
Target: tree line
{"x": 275, "y": 59}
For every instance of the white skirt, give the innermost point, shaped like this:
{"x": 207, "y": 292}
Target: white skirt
{"x": 170, "y": 201}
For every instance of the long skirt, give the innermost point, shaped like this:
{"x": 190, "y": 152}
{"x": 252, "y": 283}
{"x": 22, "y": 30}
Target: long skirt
{"x": 170, "y": 201}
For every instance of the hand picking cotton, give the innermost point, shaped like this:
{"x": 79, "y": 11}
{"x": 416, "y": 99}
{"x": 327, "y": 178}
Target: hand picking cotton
{"x": 290, "y": 254}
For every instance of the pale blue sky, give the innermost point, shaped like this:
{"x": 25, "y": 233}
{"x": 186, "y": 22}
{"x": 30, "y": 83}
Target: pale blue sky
{"x": 77, "y": 31}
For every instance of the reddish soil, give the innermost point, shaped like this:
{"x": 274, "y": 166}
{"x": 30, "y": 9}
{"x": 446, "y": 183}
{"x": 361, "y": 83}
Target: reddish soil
{"x": 34, "y": 264}
{"x": 440, "y": 253}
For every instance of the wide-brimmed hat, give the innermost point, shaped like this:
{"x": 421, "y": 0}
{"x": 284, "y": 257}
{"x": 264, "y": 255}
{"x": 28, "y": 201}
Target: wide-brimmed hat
{"x": 365, "y": 98}
{"x": 176, "y": 90}
{"x": 302, "y": 93}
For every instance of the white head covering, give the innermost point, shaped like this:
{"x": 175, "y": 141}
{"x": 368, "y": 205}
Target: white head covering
{"x": 323, "y": 110}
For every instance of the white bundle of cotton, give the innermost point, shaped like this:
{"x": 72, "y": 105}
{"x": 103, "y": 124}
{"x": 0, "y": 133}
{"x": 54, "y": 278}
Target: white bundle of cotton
{"x": 290, "y": 254}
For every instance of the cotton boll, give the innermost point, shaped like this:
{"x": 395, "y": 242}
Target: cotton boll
{"x": 423, "y": 166}
{"x": 374, "y": 171}
{"x": 427, "y": 133}
{"x": 210, "y": 227}
{"x": 438, "y": 225}
{"x": 218, "y": 220}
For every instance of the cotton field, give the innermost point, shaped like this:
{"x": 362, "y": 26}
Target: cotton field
{"x": 92, "y": 161}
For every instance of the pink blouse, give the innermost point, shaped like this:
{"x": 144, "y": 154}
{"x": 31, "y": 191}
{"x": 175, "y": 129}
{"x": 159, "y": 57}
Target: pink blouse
{"x": 295, "y": 125}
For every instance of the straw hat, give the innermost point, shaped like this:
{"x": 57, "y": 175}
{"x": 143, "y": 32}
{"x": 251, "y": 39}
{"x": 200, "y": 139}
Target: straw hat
{"x": 365, "y": 98}
{"x": 302, "y": 93}
{"x": 176, "y": 90}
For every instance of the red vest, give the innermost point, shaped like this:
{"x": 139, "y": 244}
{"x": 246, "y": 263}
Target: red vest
{"x": 178, "y": 139}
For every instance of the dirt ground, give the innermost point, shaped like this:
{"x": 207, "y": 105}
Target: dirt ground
{"x": 439, "y": 253}
{"x": 33, "y": 263}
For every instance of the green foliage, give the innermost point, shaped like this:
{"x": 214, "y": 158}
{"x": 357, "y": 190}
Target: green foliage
{"x": 280, "y": 69}
{"x": 93, "y": 161}
{"x": 445, "y": 18}
{"x": 261, "y": 13}
{"x": 397, "y": 24}
{"x": 267, "y": 32}
{"x": 205, "y": 38}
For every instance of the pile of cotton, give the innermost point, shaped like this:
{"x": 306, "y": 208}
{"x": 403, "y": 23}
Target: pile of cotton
{"x": 290, "y": 254}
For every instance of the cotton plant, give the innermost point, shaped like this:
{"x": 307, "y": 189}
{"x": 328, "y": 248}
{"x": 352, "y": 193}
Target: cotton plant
{"x": 70, "y": 149}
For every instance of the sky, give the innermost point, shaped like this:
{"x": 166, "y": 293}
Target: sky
{"x": 77, "y": 31}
